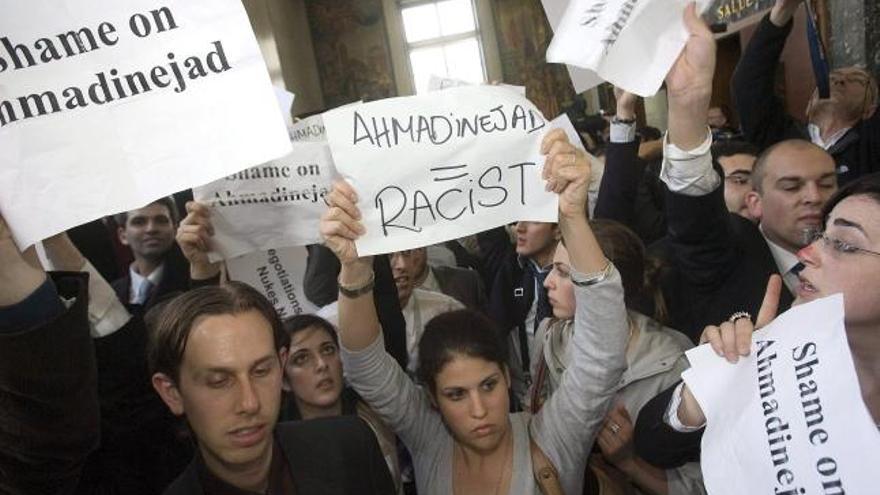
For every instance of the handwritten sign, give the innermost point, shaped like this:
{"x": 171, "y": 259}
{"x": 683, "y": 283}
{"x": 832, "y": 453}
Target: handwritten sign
{"x": 278, "y": 275}
{"x": 790, "y": 418}
{"x": 629, "y": 43}
{"x": 276, "y": 204}
{"x": 441, "y": 166}
{"x": 106, "y": 106}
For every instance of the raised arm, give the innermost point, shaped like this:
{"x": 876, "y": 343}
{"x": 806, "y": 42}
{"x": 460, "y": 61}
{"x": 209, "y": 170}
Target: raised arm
{"x": 50, "y": 420}
{"x": 762, "y": 114}
{"x": 194, "y": 237}
{"x": 566, "y": 426}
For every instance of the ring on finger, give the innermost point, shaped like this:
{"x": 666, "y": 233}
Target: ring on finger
{"x": 614, "y": 427}
{"x": 739, "y": 315}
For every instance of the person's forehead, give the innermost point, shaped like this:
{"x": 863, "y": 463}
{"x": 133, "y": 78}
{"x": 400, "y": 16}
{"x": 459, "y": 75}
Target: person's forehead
{"x": 152, "y": 210}
{"x": 229, "y": 341}
{"x": 561, "y": 254}
{"x": 804, "y": 161}
{"x": 466, "y": 371}
{"x": 312, "y": 336}
{"x": 859, "y": 209}
{"x": 847, "y": 71}
{"x": 739, "y": 161}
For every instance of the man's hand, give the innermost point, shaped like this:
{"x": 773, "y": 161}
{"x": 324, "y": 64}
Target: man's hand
{"x": 194, "y": 238}
{"x": 689, "y": 84}
{"x": 616, "y": 437}
{"x": 626, "y": 104}
{"x": 783, "y": 11}
{"x": 567, "y": 172}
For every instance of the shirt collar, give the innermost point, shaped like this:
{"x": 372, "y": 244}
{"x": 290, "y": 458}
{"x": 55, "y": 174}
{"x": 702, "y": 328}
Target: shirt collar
{"x": 785, "y": 259}
{"x": 430, "y": 282}
{"x": 816, "y": 136}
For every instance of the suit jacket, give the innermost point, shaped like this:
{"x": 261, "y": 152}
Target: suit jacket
{"x": 720, "y": 263}
{"x": 326, "y": 456}
{"x": 49, "y": 417}
{"x": 763, "y": 116}
{"x": 175, "y": 279}
{"x": 463, "y": 285}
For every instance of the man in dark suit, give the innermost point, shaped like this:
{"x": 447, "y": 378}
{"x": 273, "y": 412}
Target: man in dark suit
{"x": 411, "y": 269}
{"x": 217, "y": 355}
{"x": 159, "y": 268}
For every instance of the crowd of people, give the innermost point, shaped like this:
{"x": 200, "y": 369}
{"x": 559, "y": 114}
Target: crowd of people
{"x": 531, "y": 358}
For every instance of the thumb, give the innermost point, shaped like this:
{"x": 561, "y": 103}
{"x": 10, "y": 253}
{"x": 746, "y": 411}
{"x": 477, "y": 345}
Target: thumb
{"x": 693, "y": 23}
{"x": 770, "y": 306}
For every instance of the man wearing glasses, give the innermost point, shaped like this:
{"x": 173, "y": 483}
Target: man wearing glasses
{"x": 846, "y": 124}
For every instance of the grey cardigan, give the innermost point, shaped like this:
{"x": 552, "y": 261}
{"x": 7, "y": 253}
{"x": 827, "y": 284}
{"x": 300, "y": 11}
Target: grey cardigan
{"x": 564, "y": 428}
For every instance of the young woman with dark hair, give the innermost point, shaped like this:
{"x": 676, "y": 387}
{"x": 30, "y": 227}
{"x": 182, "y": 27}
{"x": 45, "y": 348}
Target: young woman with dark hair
{"x": 654, "y": 356}
{"x": 458, "y": 428}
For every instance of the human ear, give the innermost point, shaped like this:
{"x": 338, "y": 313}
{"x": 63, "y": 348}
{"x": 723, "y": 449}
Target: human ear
{"x": 753, "y": 204}
{"x": 123, "y": 238}
{"x": 168, "y": 391}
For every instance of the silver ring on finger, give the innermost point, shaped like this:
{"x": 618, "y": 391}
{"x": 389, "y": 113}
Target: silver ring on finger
{"x": 739, "y": 315}
{"x": 614, "y": 427}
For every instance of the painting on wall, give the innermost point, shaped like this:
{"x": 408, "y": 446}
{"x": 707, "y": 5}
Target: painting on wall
{"x": 351, "y": 50}
{"x": 523, "y": 34}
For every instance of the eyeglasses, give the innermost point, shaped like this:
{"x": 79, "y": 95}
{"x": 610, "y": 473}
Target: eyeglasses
{"x": 839, "y": 246}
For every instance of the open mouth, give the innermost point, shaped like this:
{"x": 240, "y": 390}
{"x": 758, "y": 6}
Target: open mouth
{"x": 248, "y": 436}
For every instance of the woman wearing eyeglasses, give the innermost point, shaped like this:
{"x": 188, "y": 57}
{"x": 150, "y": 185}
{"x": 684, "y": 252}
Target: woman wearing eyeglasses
{"x": 844, "y": 258}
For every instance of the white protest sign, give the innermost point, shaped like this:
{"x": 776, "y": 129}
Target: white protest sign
{"x": 581, "y": 79}
{"x": 308, "y": 130}
{"x": 629, "y": 43}
{"x": 106, "y": 106}
{"x": 442, "y": 165}
{"x": 275, "y": 204}
{"x": 278, "y": 275}
{"x": 790, "y": 418}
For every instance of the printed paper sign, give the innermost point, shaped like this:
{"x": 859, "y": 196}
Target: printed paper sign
{"x": 278, "y": 275}
{"x": 629, "y": 43}
{"x": 581, "y": 79}
{"x": 106, "y": 106}
{"x": 788, "y": 419}
{"x": 442, "y": 165}
{"x": 275, "y": 204}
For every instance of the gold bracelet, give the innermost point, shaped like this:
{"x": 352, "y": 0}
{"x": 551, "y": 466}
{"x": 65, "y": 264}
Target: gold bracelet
{"x": 352, "y": 292}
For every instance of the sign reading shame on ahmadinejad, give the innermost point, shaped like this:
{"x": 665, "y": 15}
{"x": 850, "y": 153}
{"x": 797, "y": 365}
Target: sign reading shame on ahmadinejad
{"x": 441, "y": 166}
{"x": 106, "y": 106}
{"x": 789, "y": 419}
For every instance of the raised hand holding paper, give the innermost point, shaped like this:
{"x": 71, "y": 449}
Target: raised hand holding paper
{"x": 107, "y": 106}
{"x": 629, "y": 43}
{"x": 789, "y": 418}
{"x": 441, "y": 166}
{"x": 272, "y": 205}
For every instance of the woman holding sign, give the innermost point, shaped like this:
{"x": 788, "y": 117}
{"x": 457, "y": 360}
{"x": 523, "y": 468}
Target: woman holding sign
{"x": 458, "y": 429}
{"x": 843, "y": 258}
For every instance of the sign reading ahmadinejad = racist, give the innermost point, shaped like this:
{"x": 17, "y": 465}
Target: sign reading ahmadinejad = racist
{"x": 442, "y": 165}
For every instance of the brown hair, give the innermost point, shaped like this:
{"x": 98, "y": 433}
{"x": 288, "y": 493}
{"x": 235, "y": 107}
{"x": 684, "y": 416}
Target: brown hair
{"x": 171, "y": 328}
{"x": 638, "y": 272}
{"x": 464, "y": 331}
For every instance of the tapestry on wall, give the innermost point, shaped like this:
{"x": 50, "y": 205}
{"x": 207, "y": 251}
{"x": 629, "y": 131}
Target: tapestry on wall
{"x": 523, "y": 36}
{"x": 351, "y": 50}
